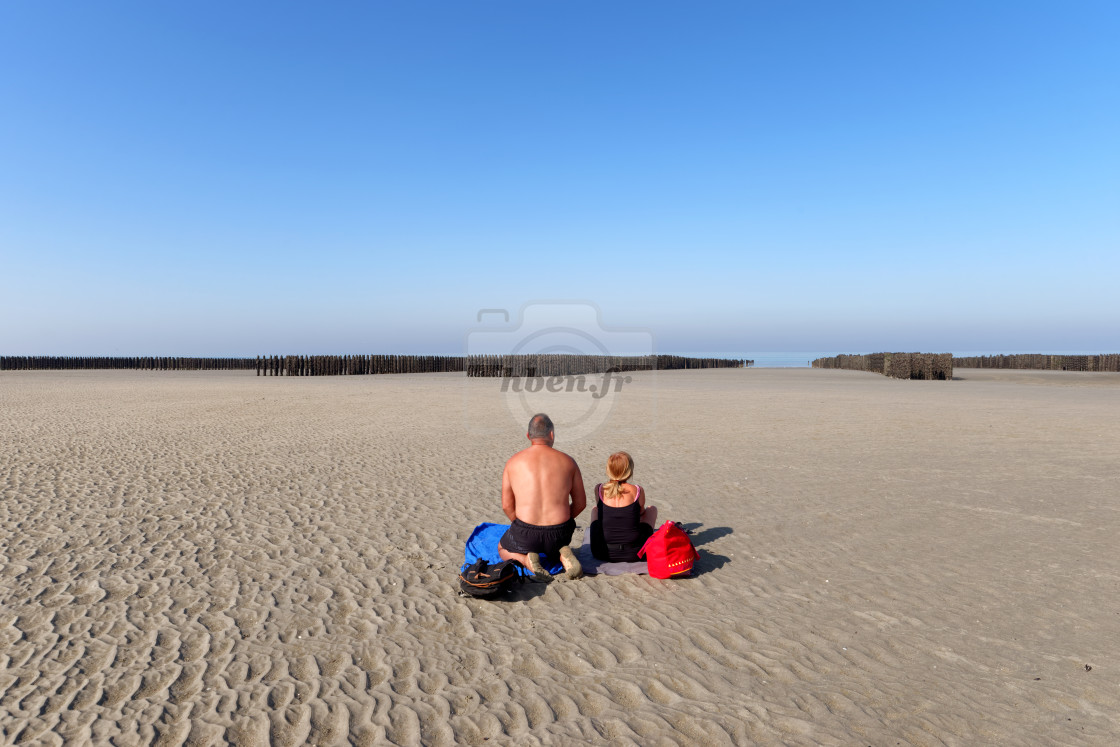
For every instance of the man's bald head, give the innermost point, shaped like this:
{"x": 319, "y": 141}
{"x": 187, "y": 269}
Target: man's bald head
{"x": 540, "y": 426}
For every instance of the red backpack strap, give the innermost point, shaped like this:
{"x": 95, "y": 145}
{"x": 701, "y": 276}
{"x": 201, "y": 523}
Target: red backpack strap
{"x": 654, "y": 538}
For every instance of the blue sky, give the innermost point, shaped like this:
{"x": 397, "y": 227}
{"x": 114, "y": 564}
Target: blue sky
{"x": 238, "y": 178}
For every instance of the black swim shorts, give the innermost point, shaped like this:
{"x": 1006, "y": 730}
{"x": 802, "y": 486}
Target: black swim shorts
{"x": 547, "y": 541}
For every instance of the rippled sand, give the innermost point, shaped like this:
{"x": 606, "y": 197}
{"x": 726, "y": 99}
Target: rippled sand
{"x": 212, "y": 558}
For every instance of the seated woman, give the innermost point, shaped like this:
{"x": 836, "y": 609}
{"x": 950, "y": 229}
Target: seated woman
{"x": 621, "y": 521}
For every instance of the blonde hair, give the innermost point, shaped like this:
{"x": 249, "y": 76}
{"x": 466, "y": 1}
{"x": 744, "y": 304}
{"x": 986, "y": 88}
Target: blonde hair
{"x": 620, "y": 466}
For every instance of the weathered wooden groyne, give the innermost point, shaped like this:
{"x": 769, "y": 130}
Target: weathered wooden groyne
{"x": 1038, "y": 362}
{"x": 670, "y": 362}
{"x": 563, "y": 364}
{"x": 356, "y": 365}
{"x": 895, "y": 365}
{"x": 480, "y": 365}
{"x": 135, "y": 363}
{"x": 352, "y": 365}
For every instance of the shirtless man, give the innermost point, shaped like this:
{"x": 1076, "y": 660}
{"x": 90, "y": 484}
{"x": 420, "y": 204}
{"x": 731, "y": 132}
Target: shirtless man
{"x": 536, "y": 485}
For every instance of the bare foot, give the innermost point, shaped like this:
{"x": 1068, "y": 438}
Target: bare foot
{"x": 534, "y": 562}
{"x": 568, "y": 559}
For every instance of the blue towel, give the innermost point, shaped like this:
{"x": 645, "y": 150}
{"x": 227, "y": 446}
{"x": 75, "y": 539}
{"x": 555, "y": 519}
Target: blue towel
{"x": 483, "y": 544}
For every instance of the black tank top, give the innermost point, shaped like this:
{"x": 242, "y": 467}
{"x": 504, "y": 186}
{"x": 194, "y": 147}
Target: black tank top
{"x": 620, "y": 525}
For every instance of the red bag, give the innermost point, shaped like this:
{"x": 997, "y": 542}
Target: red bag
{"x": 669, "y": 552}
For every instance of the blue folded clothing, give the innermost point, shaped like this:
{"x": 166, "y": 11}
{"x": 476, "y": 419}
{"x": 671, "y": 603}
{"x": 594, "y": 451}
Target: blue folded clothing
{"x": 483, "y": 545}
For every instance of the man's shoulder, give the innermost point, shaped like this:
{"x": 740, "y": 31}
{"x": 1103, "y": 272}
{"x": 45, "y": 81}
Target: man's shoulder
{"x": 567, "y": 458}
{"x": 525, "y": 454}
{"x": 535, "y": 455}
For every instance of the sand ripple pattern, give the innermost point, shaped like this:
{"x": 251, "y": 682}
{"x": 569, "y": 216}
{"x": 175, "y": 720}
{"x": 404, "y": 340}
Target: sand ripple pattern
{"x": 210, "y": 558}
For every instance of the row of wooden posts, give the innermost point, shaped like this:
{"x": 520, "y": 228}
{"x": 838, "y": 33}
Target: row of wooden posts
{"x": 670, "y": 362}
{"x": 899, "y": 365}
{"x": 574, "y": 365}
{"x": 353, "y": 365}
{"x": 137, "y": 363}
{"x": 941, "y": 365}
{"x": 1103, "y": 362}
{"x": 343, "y": 365}
{"x": 938, "y": 366}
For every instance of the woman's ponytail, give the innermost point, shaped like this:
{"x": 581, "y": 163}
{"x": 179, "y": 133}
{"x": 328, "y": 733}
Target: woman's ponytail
{"x": 620, "y": 467}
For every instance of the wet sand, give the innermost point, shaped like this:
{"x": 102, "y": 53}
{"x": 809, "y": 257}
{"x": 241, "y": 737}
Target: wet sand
{"x": 212, "y": 557}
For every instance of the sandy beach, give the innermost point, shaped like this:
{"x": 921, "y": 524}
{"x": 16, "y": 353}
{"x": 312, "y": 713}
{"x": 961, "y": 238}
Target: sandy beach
{"x": 210, "y": 558}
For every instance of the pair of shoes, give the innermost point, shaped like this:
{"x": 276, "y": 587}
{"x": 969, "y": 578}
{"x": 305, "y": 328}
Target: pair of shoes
{"x": 535, "y": 566}
{"x": 572, "y": 568}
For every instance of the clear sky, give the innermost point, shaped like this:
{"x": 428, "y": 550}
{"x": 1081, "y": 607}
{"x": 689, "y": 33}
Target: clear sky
{"x": 235, "y": 178}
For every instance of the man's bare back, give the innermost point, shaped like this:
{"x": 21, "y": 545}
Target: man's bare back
{"x": 537, "y": 483}
{"x": 542, "y": 494}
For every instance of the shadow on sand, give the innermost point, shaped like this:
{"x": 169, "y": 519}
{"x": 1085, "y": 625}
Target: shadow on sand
{"x": 708, "y": 561}
{"x": 702, "y": 537}
{"x": 527, "y": 590}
